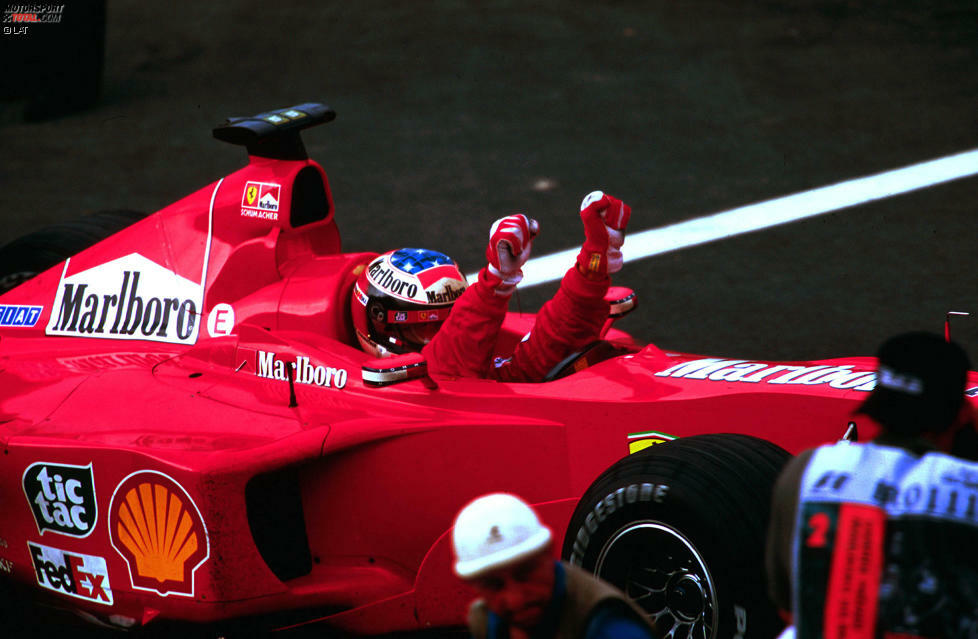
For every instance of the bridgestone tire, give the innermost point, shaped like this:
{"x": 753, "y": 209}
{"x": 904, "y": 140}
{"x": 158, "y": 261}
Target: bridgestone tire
{"x": 34, "y": 253}
{"x": 680, "y": 528}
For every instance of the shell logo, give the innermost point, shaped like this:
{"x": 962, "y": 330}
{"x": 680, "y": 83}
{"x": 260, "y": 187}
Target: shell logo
{"x": 158, "y": 530}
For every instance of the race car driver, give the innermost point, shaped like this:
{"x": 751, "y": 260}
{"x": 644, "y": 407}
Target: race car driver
{"x": 401, "y": 302}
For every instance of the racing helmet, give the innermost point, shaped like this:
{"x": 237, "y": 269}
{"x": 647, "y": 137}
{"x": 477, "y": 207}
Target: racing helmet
{"x": 402, "y": 298}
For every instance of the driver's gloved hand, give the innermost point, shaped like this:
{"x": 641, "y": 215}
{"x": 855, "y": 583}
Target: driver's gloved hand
{"x": 510, "y": 239}
{"x": 605, "y": 218}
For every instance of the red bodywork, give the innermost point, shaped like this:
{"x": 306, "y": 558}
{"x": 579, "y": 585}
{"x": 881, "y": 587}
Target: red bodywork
{"x": 153, "y": 467}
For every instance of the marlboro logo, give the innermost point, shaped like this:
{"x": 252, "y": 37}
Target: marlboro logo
{"x": 128, "y": 298}
{"x": 270, "y": 366}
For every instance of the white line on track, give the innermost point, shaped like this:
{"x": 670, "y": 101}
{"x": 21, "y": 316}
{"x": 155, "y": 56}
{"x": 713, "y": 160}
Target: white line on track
{"x": 761, "y": 215}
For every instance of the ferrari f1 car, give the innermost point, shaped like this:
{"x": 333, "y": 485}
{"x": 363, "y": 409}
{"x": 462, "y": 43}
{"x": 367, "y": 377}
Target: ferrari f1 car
{"x": 191, "y": 434}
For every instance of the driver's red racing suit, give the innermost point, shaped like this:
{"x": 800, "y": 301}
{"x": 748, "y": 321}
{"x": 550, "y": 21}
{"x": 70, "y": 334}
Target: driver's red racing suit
{"x": 464, "y": 346}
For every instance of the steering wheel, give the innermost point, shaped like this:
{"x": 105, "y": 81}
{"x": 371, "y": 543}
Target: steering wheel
{"x": 621, "y": 301}
{"x": 597, "y": 351}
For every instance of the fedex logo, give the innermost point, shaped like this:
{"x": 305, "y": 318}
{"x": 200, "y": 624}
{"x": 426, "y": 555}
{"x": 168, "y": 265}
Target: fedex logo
{"x": 73, "y": 574}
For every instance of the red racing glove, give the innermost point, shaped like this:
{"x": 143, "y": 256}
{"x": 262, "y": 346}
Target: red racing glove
{"x": 605, "y": 218}
{"x": 510, "y": 239}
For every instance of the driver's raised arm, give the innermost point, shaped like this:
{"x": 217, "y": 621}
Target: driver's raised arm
{"x": 464, "y": 345}
{"x": 576, "y": 314}
{"x": 572, "y": 319}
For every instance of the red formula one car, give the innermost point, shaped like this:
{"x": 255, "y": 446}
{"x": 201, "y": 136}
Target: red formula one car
{"x": 190, "y": 432}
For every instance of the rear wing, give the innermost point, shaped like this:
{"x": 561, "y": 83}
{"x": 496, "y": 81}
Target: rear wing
{"x": 275, "y": 134}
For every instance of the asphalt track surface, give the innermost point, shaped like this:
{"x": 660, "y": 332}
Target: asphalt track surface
{"x": 454, "y": 114}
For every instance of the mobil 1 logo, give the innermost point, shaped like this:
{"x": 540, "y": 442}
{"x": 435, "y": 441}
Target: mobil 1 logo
{"x": 62, "y": 498}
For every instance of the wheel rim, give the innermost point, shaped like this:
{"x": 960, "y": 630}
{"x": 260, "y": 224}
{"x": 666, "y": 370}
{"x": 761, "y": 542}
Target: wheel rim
{"x": 664, "y": 573}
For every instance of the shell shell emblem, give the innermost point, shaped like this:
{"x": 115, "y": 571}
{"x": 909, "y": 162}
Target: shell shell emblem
{"x": 158, "y": 530}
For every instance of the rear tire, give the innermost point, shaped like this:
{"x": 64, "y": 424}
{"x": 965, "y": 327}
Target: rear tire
{"x": 680, "y": 528}
{"x": 34, "y": 253}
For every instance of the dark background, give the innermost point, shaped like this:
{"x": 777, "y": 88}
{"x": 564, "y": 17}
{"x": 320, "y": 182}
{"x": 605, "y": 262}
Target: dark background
{"x": 453, "y": 113}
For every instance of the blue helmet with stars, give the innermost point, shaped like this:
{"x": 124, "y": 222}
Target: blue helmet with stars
{"x": 402, "y": 298}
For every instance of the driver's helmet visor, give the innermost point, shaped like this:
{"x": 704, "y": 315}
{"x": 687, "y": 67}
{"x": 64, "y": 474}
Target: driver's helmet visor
{"x": 417, "y": 335}
{"x": 415, "y": 328}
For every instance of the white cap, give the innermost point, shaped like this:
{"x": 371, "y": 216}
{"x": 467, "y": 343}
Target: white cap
{"x": 493, "y": 531}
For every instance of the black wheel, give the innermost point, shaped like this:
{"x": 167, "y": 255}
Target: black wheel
{"x": 34, "y": 253}
{"x": 680, "y": 528}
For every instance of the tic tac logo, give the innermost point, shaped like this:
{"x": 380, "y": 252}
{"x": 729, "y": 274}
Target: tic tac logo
{"x": 73, "y": 574}
{"x": 260, "y": 199}
{"x": 62, "y": 498}
{"x": 158, "y": 530}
